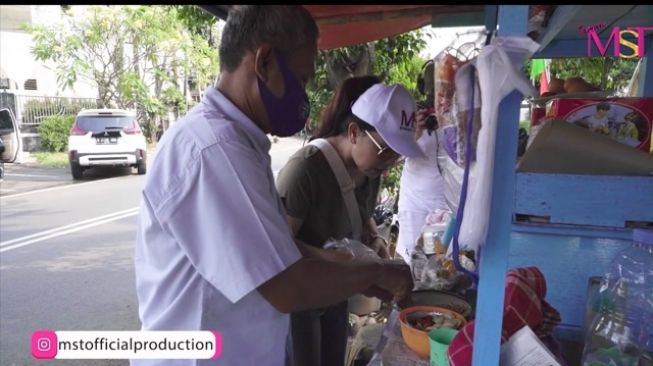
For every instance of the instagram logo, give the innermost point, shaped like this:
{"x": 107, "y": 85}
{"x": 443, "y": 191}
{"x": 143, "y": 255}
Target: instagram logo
{"x": 44, "y": 344}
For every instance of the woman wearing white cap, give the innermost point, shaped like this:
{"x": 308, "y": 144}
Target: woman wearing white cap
{"x": 329, "y": 190}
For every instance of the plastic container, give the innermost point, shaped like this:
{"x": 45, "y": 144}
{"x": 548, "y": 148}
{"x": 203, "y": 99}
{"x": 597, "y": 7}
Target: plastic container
{"x": 439, "y": 340}
{"x": 418, "y": 340}
{"x": 620, "y": 331}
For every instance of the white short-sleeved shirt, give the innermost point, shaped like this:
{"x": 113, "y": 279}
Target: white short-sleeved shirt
{"x": 421, "y": 185}
{"x": 211, "y": 230}
{"x": 595, "y": 122}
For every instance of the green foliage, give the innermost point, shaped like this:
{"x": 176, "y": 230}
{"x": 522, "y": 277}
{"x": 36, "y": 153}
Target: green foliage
{"x": 172, "y": 97}
{"x": 396, "y": 51}
{"x": 607, "y": 73}
{"x": 132, "y": 53}
{"x": 197, "y": 21}
{"x": 394, "y": 59}
{"x": 319, "y": 92}
{"x": 36, "y": 110}
{"x": 406, "y": 73}
{"x": 51, "y": 159}
{"x": 392, "y": 177}
{"x": 54, "y": 132}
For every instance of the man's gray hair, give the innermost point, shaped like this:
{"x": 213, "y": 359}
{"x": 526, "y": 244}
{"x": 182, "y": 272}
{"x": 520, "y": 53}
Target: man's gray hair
{"x": 284, "y": 27}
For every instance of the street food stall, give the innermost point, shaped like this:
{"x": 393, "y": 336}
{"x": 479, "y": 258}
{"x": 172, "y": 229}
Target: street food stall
{"x": 568, "y": 225}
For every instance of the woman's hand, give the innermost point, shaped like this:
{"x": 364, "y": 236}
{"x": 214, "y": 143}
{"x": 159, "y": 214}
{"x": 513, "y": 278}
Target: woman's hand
{"x": 379, "y": 245}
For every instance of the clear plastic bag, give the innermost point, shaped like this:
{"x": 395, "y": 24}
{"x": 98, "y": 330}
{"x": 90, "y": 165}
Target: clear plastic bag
{"x": 355, "y": 248}
{"x": 438, "y": 274}
{"x": 433, "y": 231}
{"x": 451, "y": 115}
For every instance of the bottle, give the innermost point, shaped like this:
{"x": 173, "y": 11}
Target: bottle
{"x": 619, "y": 332}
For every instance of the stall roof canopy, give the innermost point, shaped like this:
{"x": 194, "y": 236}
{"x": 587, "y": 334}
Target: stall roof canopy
{"x": 347, "y": 25}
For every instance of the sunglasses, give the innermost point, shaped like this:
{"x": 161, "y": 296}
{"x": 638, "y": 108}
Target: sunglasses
{"x": 384, "y": 152}
{"x": 378, "y": 146}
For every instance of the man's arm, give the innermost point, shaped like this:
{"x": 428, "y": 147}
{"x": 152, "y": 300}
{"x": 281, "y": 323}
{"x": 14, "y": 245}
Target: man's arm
{"x": 314, "y": 283}
{"x": 309, "y": 251}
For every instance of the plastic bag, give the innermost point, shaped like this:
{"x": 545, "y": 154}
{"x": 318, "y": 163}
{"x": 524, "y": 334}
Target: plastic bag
{"x": 439, "y": 273}
{"x": 499, "y": 73}
{"x": 433, "y": 231}
{"x": 355, "y": 248}
{"x": 447, "y": 109}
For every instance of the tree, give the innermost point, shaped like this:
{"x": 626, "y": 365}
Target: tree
{"x": 198, "y": 22}
{"x": 607, "y": 73}
{"x": 132, "y": 53}
{"x": 394, "y": 59}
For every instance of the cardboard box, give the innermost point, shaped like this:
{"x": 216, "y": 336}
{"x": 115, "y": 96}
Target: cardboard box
{"x": 626, "y": 120}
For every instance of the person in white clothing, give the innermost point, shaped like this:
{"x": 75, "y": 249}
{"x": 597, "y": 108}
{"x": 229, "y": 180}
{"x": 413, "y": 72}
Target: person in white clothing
{"x": 213, "y": 249}
{"x": 421, "y": 190}
{"x": 597, "y": 122}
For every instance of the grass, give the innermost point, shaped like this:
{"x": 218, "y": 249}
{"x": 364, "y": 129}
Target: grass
{"x": 51, "y": 159}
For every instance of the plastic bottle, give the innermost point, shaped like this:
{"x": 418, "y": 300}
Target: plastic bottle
{"x": 620, "y": 331}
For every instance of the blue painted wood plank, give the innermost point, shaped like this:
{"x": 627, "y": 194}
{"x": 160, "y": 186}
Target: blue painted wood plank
{"x": 562, "y": 15}
{"x": 494, "y": 255}
{"x": 646, "y": 77}
{"x": 567, "y": 263}
{"x": 491, "y": 14}
{"x": 585, "y": 199}
{"x": 555, "y": 230}
{"x": 563, "y": 48}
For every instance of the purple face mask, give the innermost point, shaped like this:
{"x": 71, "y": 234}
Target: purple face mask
{"x": 288, "y": 114}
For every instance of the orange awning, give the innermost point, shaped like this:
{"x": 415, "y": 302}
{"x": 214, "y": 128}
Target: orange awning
{"x": 348, "y": 25}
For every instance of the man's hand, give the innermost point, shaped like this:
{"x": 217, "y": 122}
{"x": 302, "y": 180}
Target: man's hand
{"x": 396, "y": 279}
{"x": 378, "y": 292}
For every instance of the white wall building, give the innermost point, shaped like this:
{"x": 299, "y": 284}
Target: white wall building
{"x": 16, "y": 60}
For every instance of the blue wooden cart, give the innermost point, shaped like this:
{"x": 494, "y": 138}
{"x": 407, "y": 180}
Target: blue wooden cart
{"x": 588, "y": 215}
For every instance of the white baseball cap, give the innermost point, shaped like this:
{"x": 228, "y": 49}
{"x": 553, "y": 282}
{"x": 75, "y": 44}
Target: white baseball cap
{"x": 390, "y": 109}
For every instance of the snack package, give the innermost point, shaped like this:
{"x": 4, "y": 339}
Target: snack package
{"x": 626, "y": 120}
{"x": 453, "y": 95}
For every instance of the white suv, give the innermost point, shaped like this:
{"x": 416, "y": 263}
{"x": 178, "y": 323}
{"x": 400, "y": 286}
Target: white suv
{"x": 106, "y": 137}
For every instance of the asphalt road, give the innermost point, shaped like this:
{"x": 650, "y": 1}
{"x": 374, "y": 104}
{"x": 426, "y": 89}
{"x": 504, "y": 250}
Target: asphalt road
{"x": 66, "y": 254}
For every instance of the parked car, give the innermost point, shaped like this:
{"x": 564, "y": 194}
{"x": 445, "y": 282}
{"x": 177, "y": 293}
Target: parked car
{"x": 106, "y": 137}
{"x": 10, "y": 139}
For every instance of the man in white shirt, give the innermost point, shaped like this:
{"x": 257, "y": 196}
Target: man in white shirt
{"x": 214, "y": 251}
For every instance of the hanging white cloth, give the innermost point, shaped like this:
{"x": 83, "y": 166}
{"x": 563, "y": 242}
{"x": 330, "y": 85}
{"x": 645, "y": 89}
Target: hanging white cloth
{"x": 498, "y": 67}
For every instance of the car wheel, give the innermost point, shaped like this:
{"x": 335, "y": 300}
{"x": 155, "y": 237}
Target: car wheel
{"x": 142, "y": 168}
{"x": 76, "y": 170}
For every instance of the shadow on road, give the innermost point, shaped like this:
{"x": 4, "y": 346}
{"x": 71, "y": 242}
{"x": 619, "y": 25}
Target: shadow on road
{"x": 97, "y": 173}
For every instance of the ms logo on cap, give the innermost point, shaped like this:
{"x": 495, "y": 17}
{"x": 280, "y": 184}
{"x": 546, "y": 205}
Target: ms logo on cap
{"x": 407, "y": 122}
